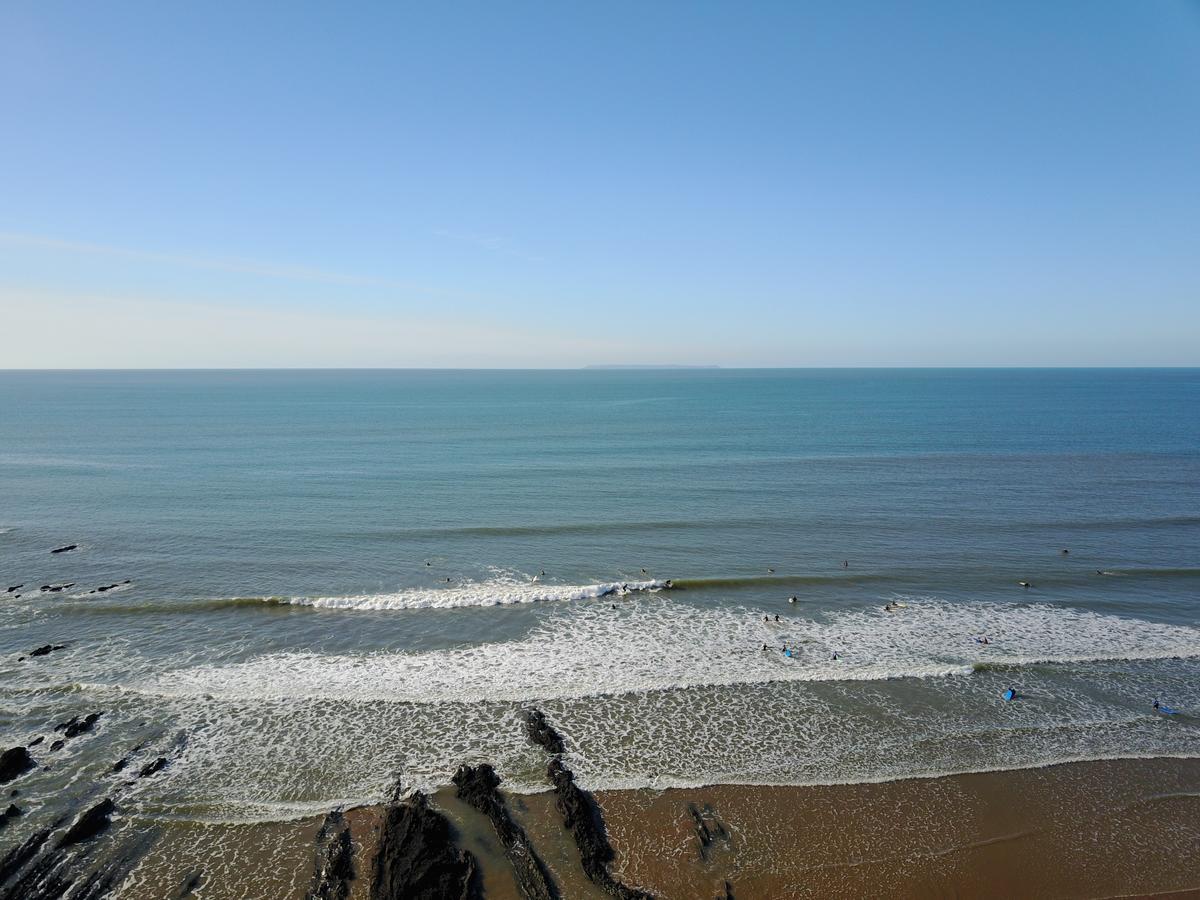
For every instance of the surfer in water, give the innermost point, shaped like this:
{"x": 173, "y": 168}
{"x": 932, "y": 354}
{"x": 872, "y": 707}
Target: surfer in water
{"x": 776, "y": 617}
{"x": 845, "y": 563}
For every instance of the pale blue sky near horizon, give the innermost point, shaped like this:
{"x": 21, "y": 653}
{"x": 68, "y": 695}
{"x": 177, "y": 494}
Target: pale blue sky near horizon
{"x": 538, "y": 184}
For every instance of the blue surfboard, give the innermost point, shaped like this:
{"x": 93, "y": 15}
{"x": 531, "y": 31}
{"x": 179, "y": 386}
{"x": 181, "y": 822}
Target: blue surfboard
{"x": 1010, "y": 694}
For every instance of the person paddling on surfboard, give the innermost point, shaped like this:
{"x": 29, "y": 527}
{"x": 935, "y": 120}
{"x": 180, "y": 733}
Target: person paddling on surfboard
{"x": 1010, "y": 694}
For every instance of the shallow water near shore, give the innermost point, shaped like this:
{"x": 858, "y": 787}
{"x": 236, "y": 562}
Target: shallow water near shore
{"x": 339, "y": 578}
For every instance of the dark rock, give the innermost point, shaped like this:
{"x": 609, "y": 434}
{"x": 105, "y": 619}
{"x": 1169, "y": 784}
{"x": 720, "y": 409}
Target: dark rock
{"x": 728, "y": 893}
{"x": 417, "y": 858}
{"x": 66, "y": 549}
{"x": 478, "y": 786}
{"x": 13, "y": 812}
{"x": 708, "y": 828}
{"x": 151, "y": 768}
{"x": 57, "y": 745}
{"x": 16, "y": 858}
{"x": 542, "y": 732}
{"x": 76, "y": 726}
{"x": 90, "y": 824}
{"x": 13, "y": 762}
{"x": 191, "y": 881}
{"x": 582, "y": 818}
{"x": 55, "y": 588}
{"x": 121, "y": 763}
{"x": 334, "y": 867}
{"x": 46, "y": 649}
{"x": 15, "y": 587}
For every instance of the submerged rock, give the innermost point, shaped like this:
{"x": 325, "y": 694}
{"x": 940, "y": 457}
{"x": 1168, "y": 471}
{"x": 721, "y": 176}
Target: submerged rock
{"x": 542, "y": 732}
{"x": 708, "y": 828}
{"x": 582, "y": 818}
{"x": 417, "y": 858}
{"x": 152, "y": 768}
{"x": 479, "y": 787}
{"x": 13, "y": 812}
{"x": 67, "y": 549}
{"x": 46, "y": 649}
{"x": 191, "y": 881}
{"x": 13, "y": 762}
{"x": 334, "y": 867}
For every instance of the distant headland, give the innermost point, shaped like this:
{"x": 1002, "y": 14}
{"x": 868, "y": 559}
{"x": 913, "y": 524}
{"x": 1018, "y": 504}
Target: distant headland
{"x": 648, "y": 366}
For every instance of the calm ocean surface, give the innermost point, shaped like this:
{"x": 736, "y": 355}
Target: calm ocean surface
{"x": 336, "y": 577}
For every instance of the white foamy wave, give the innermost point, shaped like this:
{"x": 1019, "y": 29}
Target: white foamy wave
{"x": 496, "y": 592}
{"x": 663, "y": 645}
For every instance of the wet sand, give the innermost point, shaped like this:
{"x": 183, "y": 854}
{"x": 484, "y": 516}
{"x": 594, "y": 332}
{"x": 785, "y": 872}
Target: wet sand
{"x": 1101, "y": 829}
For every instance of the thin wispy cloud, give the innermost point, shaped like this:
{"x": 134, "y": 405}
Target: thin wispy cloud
{"x": 240, "y": 266}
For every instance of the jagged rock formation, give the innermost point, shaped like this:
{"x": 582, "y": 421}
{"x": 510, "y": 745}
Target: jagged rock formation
{"x": 542, "y": 732}
{"x": 582, "y": 818}
{"x": 13, "y": 762}
{"x": 479, "y": 786}
{"x": 76, "y": 726}
{"x": 334, "y": 867}
{"x": 417, "y": 858}
{"x": 90, "y": 824}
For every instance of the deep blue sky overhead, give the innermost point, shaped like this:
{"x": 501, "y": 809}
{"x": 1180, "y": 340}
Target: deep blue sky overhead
{"x": 548, "y": 184}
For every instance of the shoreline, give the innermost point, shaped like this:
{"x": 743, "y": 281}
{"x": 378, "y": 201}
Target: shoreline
{"x": 1110, "y": 828}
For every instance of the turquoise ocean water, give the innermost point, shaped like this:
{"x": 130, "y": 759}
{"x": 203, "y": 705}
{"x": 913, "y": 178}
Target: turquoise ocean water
{"x": 337, "y": 578}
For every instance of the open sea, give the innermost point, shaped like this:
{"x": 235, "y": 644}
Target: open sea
{"x": 320, "y": 581}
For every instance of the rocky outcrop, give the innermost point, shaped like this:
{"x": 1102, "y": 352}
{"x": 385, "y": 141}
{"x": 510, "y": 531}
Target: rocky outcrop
{"x": 76, "y": 726}
{"x": 13, "y": 762}
{"x": 93, "y": 822}
{"x": 582, "y": 818}
{"x": 67, "y": 549}
{"x": 47, "y": 649}
{"x": 478, "y": 786}
{"x": 417, "y": 858}
{"x": 334, "y": 867}
{"x": 152, "y": 768}
{"x": 16, "y": 858}
{"x": 13, "y": 812}
{"x": 542, "y": 732}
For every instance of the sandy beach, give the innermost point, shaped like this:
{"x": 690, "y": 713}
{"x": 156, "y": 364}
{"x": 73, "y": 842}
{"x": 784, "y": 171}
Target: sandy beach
{"x": 1116, "y": 828}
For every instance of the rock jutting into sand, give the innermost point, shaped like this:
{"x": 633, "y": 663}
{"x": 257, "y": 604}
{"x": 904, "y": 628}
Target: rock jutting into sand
{"x": 542, "y": 732}
{"x": 478, "y": 786}
{"x": 417, "y": 858}
{"x": 582, "y": 818}
{"x": 333, "y": 869}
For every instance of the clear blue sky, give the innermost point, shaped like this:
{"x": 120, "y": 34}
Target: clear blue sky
{"x": 555, "y": 184}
